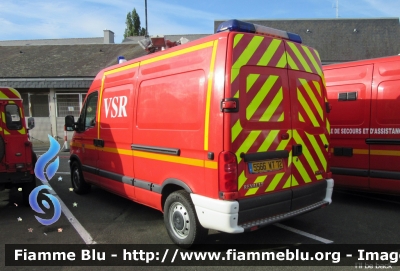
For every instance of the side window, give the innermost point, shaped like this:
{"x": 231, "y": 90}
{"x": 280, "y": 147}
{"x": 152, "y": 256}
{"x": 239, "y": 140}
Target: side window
{"x": 88, "y": 115}
{"x": 13, "y": 118}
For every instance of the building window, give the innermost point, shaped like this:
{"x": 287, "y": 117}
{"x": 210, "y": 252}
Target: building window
{"x": 69, "y": 104}
{"x": 40, "y": 105}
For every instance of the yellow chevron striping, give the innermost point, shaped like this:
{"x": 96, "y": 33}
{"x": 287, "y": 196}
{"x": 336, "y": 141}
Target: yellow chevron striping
{"x": 245, "y": 56}
{"x": 282, "y": 61}
{"x": 318, "y": 150}
{"x": 268, "y": 141}
{"x": 236, "y": 129}
{"x": 328, "y": 126}
{"x": 277, "y": 178}
{"x": 294, "y": 181}
{"x": 312, "y": 59}
{"x": 306, "y": 152}
{"x": 324, "y": 139}
{"x": 301, "y": 118}
{"x": 300, "y": 57}
{"x": 237, "y": 38}
{"x": 312, "y": 96}
{"x": 307, "y": 108}
{"x": 282, "y": 145}
{"x": 276, "y": 102}
{"x": 3, "y": 96}
{"x": 260, "y": 96}
{"x": 242, "y": 179}
{"x": 291, "y": 62}
{"x": 269, "y": 53}
{"x": 282, "y": 117}
{"x": 303, "y": 173}
{"x": 254, "y": 190}
{"x": 288, "y": 183}
{"x": 250, "y": 80}
{"x": 246, "y": 145}
{"x": 318, "y": 87}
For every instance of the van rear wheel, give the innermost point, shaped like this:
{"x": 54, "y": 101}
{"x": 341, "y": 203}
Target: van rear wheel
{"x": 181, "y": 220}
{"x": 78, "y": 182}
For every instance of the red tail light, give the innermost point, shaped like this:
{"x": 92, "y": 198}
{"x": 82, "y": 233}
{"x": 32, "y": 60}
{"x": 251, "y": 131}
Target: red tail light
{"x": 228, "y": 167}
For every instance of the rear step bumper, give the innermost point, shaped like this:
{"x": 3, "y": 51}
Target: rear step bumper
{"x": 224, "y": 215}
{"x": 250, "y": 226}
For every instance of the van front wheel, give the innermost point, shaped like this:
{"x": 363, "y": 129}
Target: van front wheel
{"x": 181, "y": 221}
{"x": 78, "y": 182}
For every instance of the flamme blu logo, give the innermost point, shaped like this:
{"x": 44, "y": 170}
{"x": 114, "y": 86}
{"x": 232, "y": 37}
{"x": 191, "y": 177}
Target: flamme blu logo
{"x": 40, "y": 174}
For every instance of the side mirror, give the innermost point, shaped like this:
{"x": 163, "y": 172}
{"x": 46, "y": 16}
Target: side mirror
{"x": 31, "y": 123}
{"x": 69, "y": 123}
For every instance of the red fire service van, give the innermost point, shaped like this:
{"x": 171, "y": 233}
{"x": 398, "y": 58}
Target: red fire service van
{"x": 228, "y": 132}
{"x": 17, "y": 159}
{"x": 365, "y": 123}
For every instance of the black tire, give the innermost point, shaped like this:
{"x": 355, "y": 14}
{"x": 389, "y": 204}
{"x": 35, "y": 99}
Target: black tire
{"x": 27, "y": 189}
{"x": 181, "y": 220}
{"x": 78, "y": 182}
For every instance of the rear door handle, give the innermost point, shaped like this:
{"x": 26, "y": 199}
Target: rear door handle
{"x": 98, "y": 142}
{"x": 297, "y": 150}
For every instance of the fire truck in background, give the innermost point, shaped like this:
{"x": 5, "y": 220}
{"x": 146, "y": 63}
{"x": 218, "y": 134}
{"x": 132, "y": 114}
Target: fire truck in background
{"x": 365, "y": 123}
{"x": 228, "y": 132}
{"x": 17, "y": 159}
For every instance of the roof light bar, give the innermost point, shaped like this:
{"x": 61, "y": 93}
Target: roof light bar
{"x": 239, "y": 26}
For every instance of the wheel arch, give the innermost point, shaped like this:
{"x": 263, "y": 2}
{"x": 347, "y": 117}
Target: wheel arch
{"x": 171, "y": 185}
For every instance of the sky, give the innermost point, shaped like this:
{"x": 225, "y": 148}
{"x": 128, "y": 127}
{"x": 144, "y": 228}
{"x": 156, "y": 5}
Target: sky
{"x": 53, "y": 19}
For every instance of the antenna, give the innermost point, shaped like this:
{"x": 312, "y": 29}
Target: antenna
{"x": 337, "y": 8}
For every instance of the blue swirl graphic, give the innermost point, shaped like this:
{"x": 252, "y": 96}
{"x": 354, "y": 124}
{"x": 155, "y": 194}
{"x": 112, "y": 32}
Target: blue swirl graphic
{"x": 45, "y": 158}
{"x": 35, "y": 206}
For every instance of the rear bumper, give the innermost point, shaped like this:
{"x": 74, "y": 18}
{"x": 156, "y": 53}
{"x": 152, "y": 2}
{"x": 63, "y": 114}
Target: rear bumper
{"x": 250, "y": 214}
{"x": 10, "y": 178}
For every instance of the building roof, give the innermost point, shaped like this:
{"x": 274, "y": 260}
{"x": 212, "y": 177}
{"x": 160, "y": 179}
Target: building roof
{"x": 190, "y": 37}
{"x": 62, "y": 60}
{"x": 339, "y": 40}
{"x": 73, "y": 41}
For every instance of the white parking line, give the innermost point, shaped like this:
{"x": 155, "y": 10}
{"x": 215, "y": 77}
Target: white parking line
{"x": 71, "y": 218}
{"x": 309, "y": 235}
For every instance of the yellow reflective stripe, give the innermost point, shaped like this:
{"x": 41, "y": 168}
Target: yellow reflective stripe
{"x": 312, "y": 59}
{"x": 236, "y": 129}
{"x": 237, "y": 38}
{"x": 294, "y": 181}
{"x": 99, "y": 102}
{"x": 246, "y": 145}
{"x": 254, "y": 190}
{"x": 328, "y": 126}
{"x": 324, "y": 139}
{"x": 274, "y": 182}
{"x": 300, "y": 57}
{"x": 318, "y": 87}
{"x": 3, "y": 117}
{"x": 259, "y": 98}
{"x": 291, "y": 63}
{"x": 301, "y": 118}
{"x": 268, "y": 141}
{"x": 273, "y": 106}
{"x": 178, "y": 53}
{"x": 282, "y": 145}
{"x": 22, "y": 131}
{"x": 307, "y": 108}
{"x": 312, "y": 96}
{"x": 242, "y": 179}
{"x": 6, "y": 132}
{"x": 282, "y": 61}
{"x": 250, "y": 80}
{"x": 3, "y": 96}
{"x": 282, "y": 117}
{"x": 210, "y": 164}
{"x": 306, "y": 152}
{"x": 245, "y": 56}
{"x": 288, "y": 183}
{"x": 303, "y": 173}
{"x": 208, "y": 99}
{"x": 359, "y": 151}
{"x": 15, "y": 92}
{"x": 318, "y": 150}
{"x": 385, "y": 152}
{"x": 269, "y": 53}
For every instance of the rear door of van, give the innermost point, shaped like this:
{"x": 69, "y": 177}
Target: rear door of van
{"x": 281, "y": 123}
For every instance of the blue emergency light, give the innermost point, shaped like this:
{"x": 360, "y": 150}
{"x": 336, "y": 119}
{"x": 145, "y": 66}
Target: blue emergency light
{"x": 239, "y": 26}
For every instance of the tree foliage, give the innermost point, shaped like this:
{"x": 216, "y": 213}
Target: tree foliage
{"x": 133, "y": 27}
